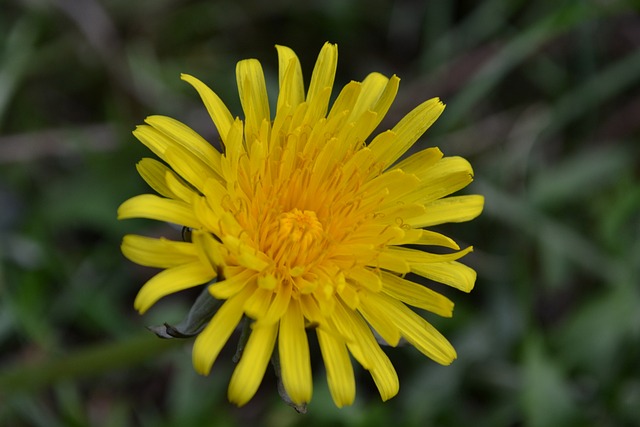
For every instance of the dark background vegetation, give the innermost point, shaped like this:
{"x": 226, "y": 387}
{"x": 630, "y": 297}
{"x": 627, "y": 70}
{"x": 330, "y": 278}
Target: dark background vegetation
{"x": 543, "y": 98}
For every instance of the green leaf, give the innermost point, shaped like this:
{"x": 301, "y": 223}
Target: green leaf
{"x": 28, "y": 376}
{"x": 580, "y": 176}
{"x": 597, "y": 332}
{"x": 546, "y": 397}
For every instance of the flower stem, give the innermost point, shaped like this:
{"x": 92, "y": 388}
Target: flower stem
{"x": 84, "y": 362}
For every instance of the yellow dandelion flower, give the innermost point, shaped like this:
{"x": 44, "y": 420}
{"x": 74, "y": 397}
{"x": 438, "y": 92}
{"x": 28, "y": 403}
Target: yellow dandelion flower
{"x": 304, "y": 221}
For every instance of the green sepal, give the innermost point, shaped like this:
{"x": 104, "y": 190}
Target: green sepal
{"x": 245, "y": 331}
{"x": 199, "y": 315}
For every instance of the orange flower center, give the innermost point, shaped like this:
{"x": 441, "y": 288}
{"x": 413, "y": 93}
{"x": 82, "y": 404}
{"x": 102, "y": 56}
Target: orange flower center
{"x": 298, "y": 237}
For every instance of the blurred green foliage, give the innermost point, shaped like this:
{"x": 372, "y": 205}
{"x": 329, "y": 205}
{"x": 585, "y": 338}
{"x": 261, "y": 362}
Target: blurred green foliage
{"x": 543, "y": 98}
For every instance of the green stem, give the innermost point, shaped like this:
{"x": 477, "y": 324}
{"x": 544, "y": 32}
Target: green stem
{"x": 84, "y": 362}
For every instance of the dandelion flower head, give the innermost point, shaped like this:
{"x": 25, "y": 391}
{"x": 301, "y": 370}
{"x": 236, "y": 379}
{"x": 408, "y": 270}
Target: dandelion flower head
{"x": 301, "y": 224}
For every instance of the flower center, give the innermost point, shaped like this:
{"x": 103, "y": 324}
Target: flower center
{"x": 299, "y": 237}
{"x": 299, "y": 228}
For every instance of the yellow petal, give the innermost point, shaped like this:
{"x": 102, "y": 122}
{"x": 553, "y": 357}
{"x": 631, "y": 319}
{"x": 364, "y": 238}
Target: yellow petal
{"x": 453, "y": 273}
{"x": 228, "y": 224}
{"x": 408, "y": 130}
{"x": 251, "y": 259}
{"x": 188, "y": 166}
{"x": 317, "y": 107}
{"x": 445, "y": 177}
{"x": 346, "y": 100}
{"x": 381, "y": 144}
{"x": 417, "y": 163}
{"x": 172, "y": 280}
{"x": 154, "y": 173}
{"x": 357, "y": 132}
{"x": 206, "y": 216}
{"x": 188, "y": 138}
{"x": 214, "y": 336}
{"x": 290, "y": 78}
{"x": 295, "y": 362}
{"x": 212, "y": 250}
{"x": 246, "y": 255}
{"x": 303, "y": 285}
{"x": 258, "y": 158}
{"x": 416, "y": 236}
{"x": 327, "y": 128}
{"x": 179, "y": 188}
{"x": 324, "y": 71}
{"x": 438, "y": 188}
{"x": 349, "y": 294}
{"x": 288, "y": 127}
{"x": 253, "y": 95}
{"x": 397, "y": 182}
{"x": 376, "y": 362}
{"x": 160, "y": 253}
{"x": 340, "y": 376}
{"x": 445, "y": 166}
{"x": 248, "y": 374}
{"x": 219, "y": 112}
{"x": 311, "y": 310}
{"x": 366, "y": 278}
{"x": 384, "y": 376}
{"x": 232, "y": 285}
{"x": 372, "y": 88}
{"x": 406, "y": 235}
{"x": 450, "y": 209}
{"x": 413, "y": 256}
{"x": 392, "y": 262}
{"x": 376, "y": 317}
{"x": 416, "y": 295}
{"x": 267, "y": 281}
{"x": 152, "y": 139}
{"x": 362, "y": 162}
{"x": 279, "y": 305}
{"x": 203, "y": 247}
{"x": 417, "y": 331}
{"x": 327, "y": 302}
{"x": 382, "y": 105}
{"x": 357, "y": 337}
{"x": 179, "y": 157}
{"x": 151, "y": 206}
{"x": 378, "y": 93}
{"x": 258, "y": 304}
{"x": 347, "y": 251}
{"x": 322, "y": 166}
{"x": 377, "y": 234}
{"x": 397, "y": 214}
{"x": 234, "y": 150}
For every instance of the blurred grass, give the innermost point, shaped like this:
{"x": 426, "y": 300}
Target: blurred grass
{"x": 542, "y": 97}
